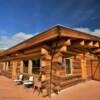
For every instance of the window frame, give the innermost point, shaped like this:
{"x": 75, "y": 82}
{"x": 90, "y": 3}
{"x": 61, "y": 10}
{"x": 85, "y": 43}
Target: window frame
{"x": 71, "y": 69}
{"x": 34, "y": 70}
{"x": 25, "y": 68}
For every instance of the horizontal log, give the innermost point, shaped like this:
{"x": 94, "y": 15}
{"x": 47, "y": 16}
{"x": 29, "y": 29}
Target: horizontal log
{"x": 76, "y": 71}
{"x": 78, "y": 43}
{"x": 20, "y": 57}
{"x": 28, "y": 51}
{"x": 97, "y": 50}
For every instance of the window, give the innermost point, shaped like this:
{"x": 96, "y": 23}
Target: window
{"x": 35, "y": 65}
{"x": 9, "y": 66}
{"x": 9, "y": 63}
{"x": 25, "y": 63}
{"x": 68, "y": 65}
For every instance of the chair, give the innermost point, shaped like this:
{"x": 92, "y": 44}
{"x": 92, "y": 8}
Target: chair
{"x": 19, "y": 80}
{"x": 28, "y": 83}
{"x": 39, "y": 84}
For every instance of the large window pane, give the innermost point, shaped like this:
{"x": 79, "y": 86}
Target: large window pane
{"x": 25, "y": 62}
{"x": 35, "y": 65}
{"x": 68, "y": 66}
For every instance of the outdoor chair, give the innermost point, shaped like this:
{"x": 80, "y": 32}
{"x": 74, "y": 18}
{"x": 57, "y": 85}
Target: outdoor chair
{"x": 55, "y": 88}
{"x": 38, "y": 87}
{"x": 19, "y": 80}
{"x": 28, "y": 83}
{"x": 39, "y": 84}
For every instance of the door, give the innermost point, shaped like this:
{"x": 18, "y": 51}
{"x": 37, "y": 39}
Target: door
{"x": 95, "y": 69}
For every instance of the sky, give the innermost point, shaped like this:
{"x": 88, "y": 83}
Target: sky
{"x": 22, "y": 19}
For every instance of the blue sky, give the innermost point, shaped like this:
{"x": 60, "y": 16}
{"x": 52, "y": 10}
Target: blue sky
{"x": 21, "y": 19}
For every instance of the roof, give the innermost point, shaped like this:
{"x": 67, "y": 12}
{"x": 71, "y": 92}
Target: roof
{"x": 50, "y": 34}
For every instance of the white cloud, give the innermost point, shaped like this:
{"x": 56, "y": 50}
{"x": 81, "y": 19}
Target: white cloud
{"x": 7, "y": 41}
{"x": 3, "y": 42}
{"x": 97, "y": 32}
{"x": 21, "y": 36}
{"x": 87, "y": 30}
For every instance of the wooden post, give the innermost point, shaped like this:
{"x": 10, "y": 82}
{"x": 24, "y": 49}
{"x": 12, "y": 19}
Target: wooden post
{"x": 4, "y": 66}
{"x": 21, "y": 66}
{"x": 84, "y": 69}
{"x": 14, "y": 74}
{"x": 7, "y": 66}
{"x": 30, "y": 67}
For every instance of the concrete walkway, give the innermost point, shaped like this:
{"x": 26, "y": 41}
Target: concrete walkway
{"x": 84, "y": 91}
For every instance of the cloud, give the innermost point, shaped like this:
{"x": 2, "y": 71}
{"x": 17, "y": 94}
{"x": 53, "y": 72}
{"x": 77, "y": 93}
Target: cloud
{"x": 21, "y": 36}
{"x": 87, "y": 30}
{"x": 9, "y": 41}
{"x": 3, "y": 42}
{"x": 97, "y": 32}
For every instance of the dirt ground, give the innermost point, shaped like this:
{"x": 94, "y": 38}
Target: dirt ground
{"x": 89, "y": 90}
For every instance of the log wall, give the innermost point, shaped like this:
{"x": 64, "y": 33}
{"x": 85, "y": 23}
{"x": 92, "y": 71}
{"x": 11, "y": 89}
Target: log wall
{"x": 59, "y": 66}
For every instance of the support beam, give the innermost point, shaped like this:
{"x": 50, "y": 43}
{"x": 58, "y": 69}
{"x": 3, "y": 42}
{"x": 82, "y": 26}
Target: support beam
{"x": 30, "y": 67}
{"x": 14, "y": 72}
{"x": 4, "y": 66}
{"x": 7, "y": 66}
{"x": 46, "y": 47}
{"x": 21, "y": 66}
{"x": 20, "y": 57}
{"x": 78, "y": 43}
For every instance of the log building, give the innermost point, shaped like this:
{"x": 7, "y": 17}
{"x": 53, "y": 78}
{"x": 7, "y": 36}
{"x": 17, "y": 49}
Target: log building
{"x": 67, "y": 55}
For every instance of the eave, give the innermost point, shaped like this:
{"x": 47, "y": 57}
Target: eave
{"x": 83, "y": 39}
